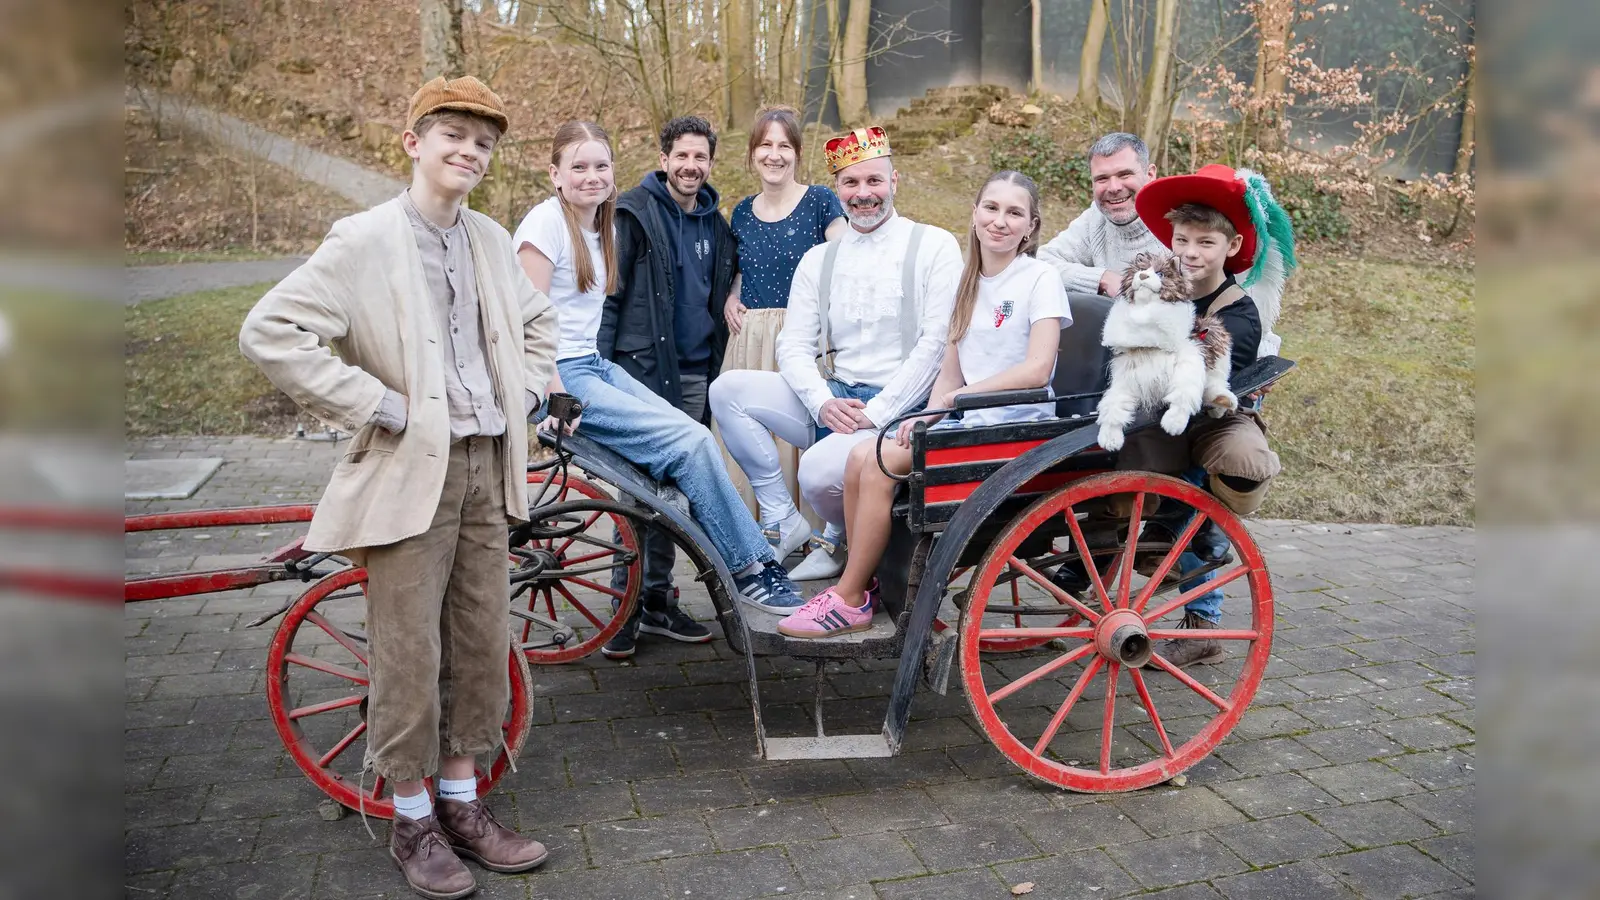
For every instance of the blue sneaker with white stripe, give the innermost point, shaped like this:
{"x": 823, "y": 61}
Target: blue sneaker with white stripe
{"x": 770, "y": 589}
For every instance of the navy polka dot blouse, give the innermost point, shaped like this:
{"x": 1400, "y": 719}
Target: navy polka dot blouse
{"x": 769, "y": 252}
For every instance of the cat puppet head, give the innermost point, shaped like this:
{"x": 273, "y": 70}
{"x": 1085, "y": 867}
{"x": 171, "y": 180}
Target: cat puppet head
{"x": 1153, "y": 278}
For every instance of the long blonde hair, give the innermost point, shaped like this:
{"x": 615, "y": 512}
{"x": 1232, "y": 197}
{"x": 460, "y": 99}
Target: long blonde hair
{"x": 967, "y": 289}
{"x": 568, "y": 135}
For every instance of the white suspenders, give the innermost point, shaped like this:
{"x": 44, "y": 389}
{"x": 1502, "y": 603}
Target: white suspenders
{"x": 910, "y": 322}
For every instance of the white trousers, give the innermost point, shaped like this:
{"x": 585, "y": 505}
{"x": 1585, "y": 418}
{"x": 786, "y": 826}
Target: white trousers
{"x": 750, "y": 407}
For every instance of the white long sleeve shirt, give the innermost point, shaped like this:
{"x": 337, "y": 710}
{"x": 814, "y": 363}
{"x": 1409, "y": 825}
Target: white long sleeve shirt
{"x": 864, "y": 317}
{"x": 1092, "y": 244}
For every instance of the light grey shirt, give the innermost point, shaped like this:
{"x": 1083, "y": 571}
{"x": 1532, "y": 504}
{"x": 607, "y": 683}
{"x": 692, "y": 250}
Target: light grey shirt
{"x": 452, "y": 287}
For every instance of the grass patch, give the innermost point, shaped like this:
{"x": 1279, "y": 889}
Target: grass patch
{"x": 185, "y": 374}
{"x": 1375, "y": 426}
{"x": 136, "y": 258}
{"x": 60, "y": 372}
{"x": 1377, "y": 423}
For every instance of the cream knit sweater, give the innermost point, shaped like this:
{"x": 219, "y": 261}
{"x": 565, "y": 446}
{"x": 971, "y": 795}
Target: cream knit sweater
{"x": 1092, "y": 244}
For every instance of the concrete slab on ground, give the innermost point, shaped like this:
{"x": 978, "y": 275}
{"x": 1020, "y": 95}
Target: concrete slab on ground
{"x": 168, "y": 479}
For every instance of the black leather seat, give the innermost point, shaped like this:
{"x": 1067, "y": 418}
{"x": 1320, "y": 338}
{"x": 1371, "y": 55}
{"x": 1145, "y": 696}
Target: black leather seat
{"x": 1083, "y": 366}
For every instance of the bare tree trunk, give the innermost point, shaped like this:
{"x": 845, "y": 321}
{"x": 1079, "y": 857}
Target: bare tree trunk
{"x": 739, "y": 39}
{"x": 1036, "y": 76}
{"x": 1089, "y": 61}
{"x": 442, "y": 52}
{"x": 1274, "y": 20}
{"x": 852, "y": 85}
{"x": 1469, "y": 116}
{"x": 1155, "y": 100}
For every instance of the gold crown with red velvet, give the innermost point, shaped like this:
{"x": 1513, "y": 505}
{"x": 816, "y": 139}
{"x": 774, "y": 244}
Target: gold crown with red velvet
{"x": 856, "y": 146}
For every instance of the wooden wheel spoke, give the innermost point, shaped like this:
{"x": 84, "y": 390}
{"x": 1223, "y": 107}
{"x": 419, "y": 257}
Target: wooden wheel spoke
{"x": 344, "y": 744}
{"x": 1203, "y": 634}
{"x": 1048, "y": 668}
{"x": 582, "y": 610}
{"x": 1135, "y": 520}
{"x": 1110, "y": 718}
{"x": 309, "y": 662}
{"x": 1170, "y": 560}
{"x": 584, "y": 582}
{"x": 591, "y": 557}
{"x": 300, "y": 712}
{"x": 1188, "y": 681}
{"x": 344, "y": 640}
{"x": 1216, "y": 583}
{"x": 1087, "y": 558}
{"x": 1066, "y": 705}
{"x": 586, "y": 526}
{"x": 1054, "y": 590}
{"x": 377, "y": 787}
{"x": 1150, "y": 708}
{"x": 1077, "y": 631}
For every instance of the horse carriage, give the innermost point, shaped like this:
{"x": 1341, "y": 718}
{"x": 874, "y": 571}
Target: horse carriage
{"x": 1016, "y": 560}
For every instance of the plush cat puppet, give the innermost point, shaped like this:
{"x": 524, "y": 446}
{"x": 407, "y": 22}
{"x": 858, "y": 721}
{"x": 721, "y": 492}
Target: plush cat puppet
{"x": 1162, "y": 355}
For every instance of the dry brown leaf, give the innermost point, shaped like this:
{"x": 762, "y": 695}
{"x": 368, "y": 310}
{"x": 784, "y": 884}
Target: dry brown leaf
{"x": 1017, "y": 890}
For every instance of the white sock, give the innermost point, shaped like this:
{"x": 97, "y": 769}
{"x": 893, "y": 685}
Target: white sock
{"x": 783, "y": 517}
{"x": 463, "y": 790}
{"x": 414, "y": 808}
{"x": 751, "y": 569}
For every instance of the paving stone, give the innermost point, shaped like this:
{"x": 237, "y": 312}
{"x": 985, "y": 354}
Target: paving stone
{"x": 1270, "y": 721}
{"x": 970, "y": 883}
{"x": 1283, "y": 839}
{"x": 1435, "y": 769}
{"x": 1088, "y": 875}
{"x": 1099, "y": 824}
{"x": 1276, "y": 795}
{"x": 254, "y": 799}
{"x": 1362, "y": 781}
{"x": 1168, "y": 861}
{"x": 279, "y": 880}
{"x": 926, "y": 767}
{"x": 991, "y": 798}
{"x": 1342, "y": 712}
{"x": 1391, "y": 873}
{"x": 745, "y": 873}
{"x": 802, "y": 781}
{"x": 1268, "y": 756}
{"x": 357, "y": 874}
{"x": 188, "y": 846}
{"x": 219, "y": 768}
{"x": 1347, "y": 745}
{"x": 1452, "y": 810}
{"x": 1301, "y": 879}
{"x": 645, "y": 761}
{"x": 653, "y": 729}
{"x": 971, "y": 844}
{"x": 595, "y": 707}
{"x": 768, "y": 823}
{"x": 148, "y": 809}
{"x": 1457, "y": 852}
{"x": 1377, "y": 824}
{"x": 690, "y": 792}
{"x": 1197, "y": 891}
{"x": 170, "y": 664}
{"x": 698, "y": 697}
{"x": 1167, "y": 811}
{"x": 639, "y": 840}
{"x": 856, "y": 859}
{"x": 578, "y": 805}
{"x": 1426, "y": 733}
{"x": 889, "y": 810}
{"x": 304, "y": 834}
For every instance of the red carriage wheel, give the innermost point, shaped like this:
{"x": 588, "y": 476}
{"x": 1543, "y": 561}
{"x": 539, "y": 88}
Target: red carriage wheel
{"x": 1008, "y": 644}
{"x": 317, "y": 689}
{"x": 577, "y": 578}
{"x": 1137, "y": 724}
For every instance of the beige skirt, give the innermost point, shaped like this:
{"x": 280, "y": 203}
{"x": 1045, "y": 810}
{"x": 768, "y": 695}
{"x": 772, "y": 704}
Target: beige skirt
{"x": 756, "y": 347}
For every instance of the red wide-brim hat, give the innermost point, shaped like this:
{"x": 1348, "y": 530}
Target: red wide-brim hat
{"x": 1216, "y": 186}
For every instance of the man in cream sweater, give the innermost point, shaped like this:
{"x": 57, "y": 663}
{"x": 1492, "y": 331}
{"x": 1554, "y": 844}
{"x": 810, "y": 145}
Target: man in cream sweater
{"x": 413, "y": 327}
{"x": 1100, "y": 243}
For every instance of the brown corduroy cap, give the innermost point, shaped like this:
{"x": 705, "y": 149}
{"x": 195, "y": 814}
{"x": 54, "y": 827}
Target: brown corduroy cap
{"x": 466, "y": 93}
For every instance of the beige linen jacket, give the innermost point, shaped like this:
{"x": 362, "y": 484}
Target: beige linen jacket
{"x": 354, "y": 321}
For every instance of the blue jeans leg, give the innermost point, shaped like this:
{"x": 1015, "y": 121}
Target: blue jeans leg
{"x": 1207, "y": 606}
{"x": 624, "y": 415}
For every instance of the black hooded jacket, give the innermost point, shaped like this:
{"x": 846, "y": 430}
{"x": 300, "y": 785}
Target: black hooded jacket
{"x": 638, "y": 324}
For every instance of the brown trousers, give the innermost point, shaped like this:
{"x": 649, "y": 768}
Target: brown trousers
{"x": 1235, "y": 445}
{"x": 437, "y": 607}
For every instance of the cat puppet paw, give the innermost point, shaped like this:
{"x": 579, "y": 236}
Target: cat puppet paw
{"x": 1110, "y": 438}
{"x": 1174, "y": 421}
{"x": 1222, "y": 404}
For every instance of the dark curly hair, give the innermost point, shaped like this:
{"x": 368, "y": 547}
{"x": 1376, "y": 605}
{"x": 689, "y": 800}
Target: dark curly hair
{"x": 683, "y": 125}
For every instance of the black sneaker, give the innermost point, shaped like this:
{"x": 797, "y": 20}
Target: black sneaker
{"x": 622, "y": 644}
{"x": 673, "y": 623}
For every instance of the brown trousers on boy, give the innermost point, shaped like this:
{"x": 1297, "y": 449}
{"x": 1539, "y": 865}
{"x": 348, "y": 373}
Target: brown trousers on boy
{"x": 436, "y": 625}
{"x": 1235, "y": 445}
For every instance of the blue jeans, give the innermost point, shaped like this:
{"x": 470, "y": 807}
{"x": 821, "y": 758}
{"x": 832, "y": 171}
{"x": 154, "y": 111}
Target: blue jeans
{"x": 1207, "y": 606}
{"x": 630, "y": 419}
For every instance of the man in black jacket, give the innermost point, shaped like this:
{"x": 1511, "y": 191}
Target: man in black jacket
{"x": 675, "y": 255}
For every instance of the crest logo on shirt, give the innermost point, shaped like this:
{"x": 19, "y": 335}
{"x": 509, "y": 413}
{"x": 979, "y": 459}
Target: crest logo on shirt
{"x": 1002, "y": 313}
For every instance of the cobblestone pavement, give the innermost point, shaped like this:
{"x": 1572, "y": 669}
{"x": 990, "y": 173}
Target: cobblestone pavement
{"x": 1350, "y": 776}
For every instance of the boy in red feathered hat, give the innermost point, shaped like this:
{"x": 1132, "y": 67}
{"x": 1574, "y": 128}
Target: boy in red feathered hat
{"x": 1218, "y": 222}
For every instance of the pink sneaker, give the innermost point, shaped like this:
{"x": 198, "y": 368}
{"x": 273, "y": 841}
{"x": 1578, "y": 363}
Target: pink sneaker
{"x": 826, "y": 615}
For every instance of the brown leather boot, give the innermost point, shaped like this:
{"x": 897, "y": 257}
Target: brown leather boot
{"x": 474, "y": 833}
{"x": 424, "y": 856}
{"x": 1186, "y": 652}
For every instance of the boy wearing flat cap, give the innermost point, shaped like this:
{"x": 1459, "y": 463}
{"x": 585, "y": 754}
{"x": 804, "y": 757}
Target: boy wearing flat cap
{"x": 413, "y": 327}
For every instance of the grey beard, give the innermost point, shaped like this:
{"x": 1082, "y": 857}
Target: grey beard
{"x": 1132, "y": 217}
{"x": 872, "y": 219}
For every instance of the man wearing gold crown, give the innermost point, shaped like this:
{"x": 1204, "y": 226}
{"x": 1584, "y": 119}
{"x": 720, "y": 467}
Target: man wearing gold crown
{"x": 861, "y": 344}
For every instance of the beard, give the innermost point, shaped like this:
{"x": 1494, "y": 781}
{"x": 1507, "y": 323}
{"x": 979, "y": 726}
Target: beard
{"x": 1122, "y": 216}
{"x": 868, "y": 217}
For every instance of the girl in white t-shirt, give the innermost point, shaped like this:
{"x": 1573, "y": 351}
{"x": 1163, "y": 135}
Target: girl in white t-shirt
{"x": 1004, "y": 331}
{"x": 567, "y": 246}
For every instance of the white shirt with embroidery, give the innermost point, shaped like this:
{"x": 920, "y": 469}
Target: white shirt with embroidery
{"x": 864, "y": 317}
{"x": 1008, "y": 304}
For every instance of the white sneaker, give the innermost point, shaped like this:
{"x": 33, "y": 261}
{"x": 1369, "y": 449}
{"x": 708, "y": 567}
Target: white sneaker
{"x": 820, "y": 564}
{"x": 788, "y": 536}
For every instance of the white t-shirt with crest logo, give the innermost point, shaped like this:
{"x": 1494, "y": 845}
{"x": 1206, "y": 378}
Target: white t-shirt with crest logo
{"x": 1008, "y": 304}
